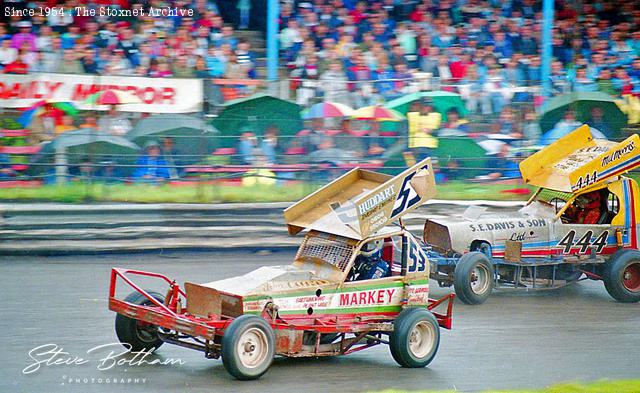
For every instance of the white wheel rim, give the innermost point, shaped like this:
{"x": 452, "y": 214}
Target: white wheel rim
{"x": 252, "y": 348}
{"x": 422, "y": 339}
{"x": 479, "y": 279}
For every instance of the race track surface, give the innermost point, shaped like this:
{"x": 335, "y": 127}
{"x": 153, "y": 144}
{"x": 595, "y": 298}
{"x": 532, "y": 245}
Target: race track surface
{"x": 513, "y": 341}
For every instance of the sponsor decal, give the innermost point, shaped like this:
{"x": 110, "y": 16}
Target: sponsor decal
{"x": 497, "y": 226}
{"x": 371, "y": 297}
{"x": 371, "y": 205}
{"x": 616, "y": 154}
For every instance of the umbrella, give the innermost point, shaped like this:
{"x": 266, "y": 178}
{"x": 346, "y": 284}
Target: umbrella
{"x": 582, "y": 103}
{"x": 465, "y": 152}
{"x": 377, "y": 113}
{"x": 558, "y": 132}
{"x": 112, "y": 97}
{"x": 89, "y": 142}
{"x": 255, "y": 114}
{"x": 193, "y": 138}
{"x": 442, "y": 102}
{"x": 327, "y": 109}
{"x": 40, "y": 108}
{"x": 333, "y": 155}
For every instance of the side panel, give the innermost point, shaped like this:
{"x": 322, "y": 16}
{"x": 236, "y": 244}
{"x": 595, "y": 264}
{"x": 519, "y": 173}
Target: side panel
{"x": 382, "y": 296}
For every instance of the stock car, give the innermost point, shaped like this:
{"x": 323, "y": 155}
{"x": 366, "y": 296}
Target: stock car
{"x": 311, "y": 307}
{"x": 542, "y": 246}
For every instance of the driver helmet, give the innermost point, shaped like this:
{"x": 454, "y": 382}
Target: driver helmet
{"x": 372, "y": 249}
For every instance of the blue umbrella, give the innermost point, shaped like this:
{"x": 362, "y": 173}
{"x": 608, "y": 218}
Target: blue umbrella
{"x": 558, "y": 132}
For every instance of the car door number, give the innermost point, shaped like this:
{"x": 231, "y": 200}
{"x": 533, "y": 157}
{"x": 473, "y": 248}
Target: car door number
{"x": 569, "y": 241}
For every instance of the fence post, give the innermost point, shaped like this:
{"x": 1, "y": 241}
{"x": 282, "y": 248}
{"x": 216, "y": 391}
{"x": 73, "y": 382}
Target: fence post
{"x": 61, "y": 164}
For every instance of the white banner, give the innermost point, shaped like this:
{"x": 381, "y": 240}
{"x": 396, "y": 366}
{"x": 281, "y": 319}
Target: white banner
{"x": 157, "y": 95}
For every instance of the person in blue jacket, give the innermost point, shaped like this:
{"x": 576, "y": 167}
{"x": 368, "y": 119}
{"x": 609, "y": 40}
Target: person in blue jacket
{"x": 369, "y": 263}
{"x": 151, "y": 167}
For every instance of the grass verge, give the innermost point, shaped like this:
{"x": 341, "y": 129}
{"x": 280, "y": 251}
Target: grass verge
{"x": 604, "y": 386}
{"x": 207, "y": 193}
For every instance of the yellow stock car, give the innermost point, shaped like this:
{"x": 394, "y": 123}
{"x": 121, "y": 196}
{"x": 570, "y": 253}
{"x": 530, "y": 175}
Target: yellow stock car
{"x": 580, "y": 224}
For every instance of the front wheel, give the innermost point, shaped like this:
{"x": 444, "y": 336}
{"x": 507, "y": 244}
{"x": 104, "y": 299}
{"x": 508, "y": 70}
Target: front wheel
{"x": 622, "y": 276}
{"x": 248, "y": 347}
{"x": 137, "y": 334}
{"x": 473, "y": 278}
{"x": 415, "y": 338}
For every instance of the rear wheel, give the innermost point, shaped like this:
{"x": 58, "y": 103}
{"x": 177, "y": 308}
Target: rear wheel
{"x": 138, "y": 334}
{"x": 622, "y": 276}
{"x": 473, "y": 278}
{"x": 415, "y": 338}
{"x": 248, "y": 347}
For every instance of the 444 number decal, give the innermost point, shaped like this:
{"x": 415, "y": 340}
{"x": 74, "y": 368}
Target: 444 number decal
{"x": 569, "y": 242}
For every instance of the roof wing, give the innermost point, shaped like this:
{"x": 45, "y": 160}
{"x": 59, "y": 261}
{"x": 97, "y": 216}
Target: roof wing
{"x": 620, "y": 158}
{"x": 576, "y": 155}
{"x": 360, "y": 202}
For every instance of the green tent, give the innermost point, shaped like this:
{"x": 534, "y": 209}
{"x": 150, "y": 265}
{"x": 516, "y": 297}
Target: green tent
{"x": 442, "y": 101}
{"x": 582, "y": 103}
{"x": 255, "y": 114}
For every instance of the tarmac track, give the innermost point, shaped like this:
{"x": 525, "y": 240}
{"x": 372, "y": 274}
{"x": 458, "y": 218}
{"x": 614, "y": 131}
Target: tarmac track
{"x": 512, "y": 341}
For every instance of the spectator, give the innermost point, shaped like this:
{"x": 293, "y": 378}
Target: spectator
{"x": 244, "y": 9}
{"x": 454, "y": 126}
{"x": 114, "y": 123}
{"x": 531, "y": 129}
{"x": 70, "y": 63}
{"x": 89, "y": 122}
{"x": 18, "y": 66}
{"x": 568, "y": 123}
{"x": 582, "y": 82}
{"x": 495, "y": 89}
{"x": 8, "y": 54}
{"x": 67, "y": 125}
{"x": 270, "y": 146}
{"x": 169, "y": 155}
{"x": 6, "y": 172}
{"x": 334, "y": 84}
{"x": 246, "y": 148}
{"x": 348, "y": 142}
{"x": 423, "y": 125}
{"x": 604, "y": 82}
{"x": 151, "y": 167}
{"x": 181, "y": 68}
{"x": 24, "y": 36}
{"x": 598, "y": 122}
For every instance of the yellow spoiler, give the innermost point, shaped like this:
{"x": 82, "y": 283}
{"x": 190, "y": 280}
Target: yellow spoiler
{"x": 361, "y": 202}
{"x": 577, "y": 161}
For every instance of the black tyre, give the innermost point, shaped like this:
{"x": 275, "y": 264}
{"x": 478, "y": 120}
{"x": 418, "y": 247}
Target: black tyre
{"x": 473, "y": 278}
{"x": 622, "y": 276}
{"x": 137, "y": 334}
{"x": 415, "y": 338}
{"x": 248, "y": 347}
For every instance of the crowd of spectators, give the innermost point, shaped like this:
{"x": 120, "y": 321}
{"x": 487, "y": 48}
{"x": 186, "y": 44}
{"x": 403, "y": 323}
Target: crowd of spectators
{"x": 202, "y": 45}
{"x": 489, "y": 51}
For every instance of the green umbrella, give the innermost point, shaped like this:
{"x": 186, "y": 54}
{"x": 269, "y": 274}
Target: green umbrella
{"x": 193, "y": 138}
{"x": 582, "y": 103}
{"x": 462, "y": 152}
{"x": 255, "y": 114}
{"x": 442, "y": 102}
{"x": 90, "y": 143}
